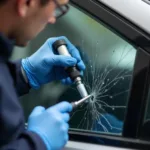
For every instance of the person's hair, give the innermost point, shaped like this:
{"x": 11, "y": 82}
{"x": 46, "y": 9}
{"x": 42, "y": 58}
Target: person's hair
{"x": 2, "y": 1}
{"x": 43, "y": 2}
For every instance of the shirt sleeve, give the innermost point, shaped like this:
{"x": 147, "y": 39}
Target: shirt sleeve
{"x": 27, "y": 141}
{"x": 13, "y": 135}
{"x": 20, "y": 84}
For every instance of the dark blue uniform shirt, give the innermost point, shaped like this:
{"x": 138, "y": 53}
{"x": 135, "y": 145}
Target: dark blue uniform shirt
{"x": 13, "y": 135}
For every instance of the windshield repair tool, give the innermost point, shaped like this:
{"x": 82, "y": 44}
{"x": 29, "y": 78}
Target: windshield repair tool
{"x": 79, "y": 102}
{"x": 73, "y": 72}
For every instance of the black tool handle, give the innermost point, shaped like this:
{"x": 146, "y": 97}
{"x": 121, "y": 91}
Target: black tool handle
{"x": 59, "y": 43}
{"x": 73, "y": 71}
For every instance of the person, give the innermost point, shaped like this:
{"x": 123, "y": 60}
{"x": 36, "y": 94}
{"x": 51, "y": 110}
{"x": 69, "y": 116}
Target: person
{"x": 21, "y": 21}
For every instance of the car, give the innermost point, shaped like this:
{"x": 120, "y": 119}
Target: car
{"x": 113, "y": 38}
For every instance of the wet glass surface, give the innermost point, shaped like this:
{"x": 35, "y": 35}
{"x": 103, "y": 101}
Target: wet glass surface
{"x": 109, "y": 64}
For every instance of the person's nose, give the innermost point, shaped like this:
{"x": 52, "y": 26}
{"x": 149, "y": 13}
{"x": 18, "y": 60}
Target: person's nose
{"x": 52, "y": 20}
{"x": 62, "y": 2}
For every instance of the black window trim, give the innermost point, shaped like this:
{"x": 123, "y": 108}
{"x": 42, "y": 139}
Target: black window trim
{"x": 109, "y": 140}
{"x": 141, "y": 41}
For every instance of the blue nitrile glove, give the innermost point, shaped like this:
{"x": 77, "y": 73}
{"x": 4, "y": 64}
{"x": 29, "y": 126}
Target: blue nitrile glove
{"x": 44, "y": 66}
{"x": 51, "y": 124}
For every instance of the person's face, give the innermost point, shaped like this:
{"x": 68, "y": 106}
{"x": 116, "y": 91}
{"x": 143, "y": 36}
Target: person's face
{"x": 33, "y": 17}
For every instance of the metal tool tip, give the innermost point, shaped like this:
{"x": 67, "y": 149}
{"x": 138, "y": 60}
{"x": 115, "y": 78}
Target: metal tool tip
{"x": 87, "y": 98}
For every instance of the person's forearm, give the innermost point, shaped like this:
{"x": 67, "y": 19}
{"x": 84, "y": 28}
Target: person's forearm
{"x": 24, "y": 75}
{"x": 28, "y": 141}
{"x": 21, "y": 83}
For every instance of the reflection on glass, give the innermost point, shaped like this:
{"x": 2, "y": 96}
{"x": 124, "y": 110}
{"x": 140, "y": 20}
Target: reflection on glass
{"x": 109, "y": 64}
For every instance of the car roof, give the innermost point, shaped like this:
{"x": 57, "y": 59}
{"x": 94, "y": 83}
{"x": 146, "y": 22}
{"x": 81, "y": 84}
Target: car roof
{"x": 136, "y": 11}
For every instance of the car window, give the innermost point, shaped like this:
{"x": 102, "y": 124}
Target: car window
{"x": 109, "y": 61}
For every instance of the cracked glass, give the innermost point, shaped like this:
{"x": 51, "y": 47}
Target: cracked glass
{"x": 109, "y": 61}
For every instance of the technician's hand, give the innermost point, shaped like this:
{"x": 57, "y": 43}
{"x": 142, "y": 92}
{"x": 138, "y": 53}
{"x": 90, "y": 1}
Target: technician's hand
{"x": 44, "y": 66}
{"x": 51, "y": 124}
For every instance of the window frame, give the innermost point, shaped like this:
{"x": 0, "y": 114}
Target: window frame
{"x": 131, "y": 136}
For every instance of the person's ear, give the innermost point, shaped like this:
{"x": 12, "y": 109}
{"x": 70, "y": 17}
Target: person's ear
{"x": 23, "y": 6}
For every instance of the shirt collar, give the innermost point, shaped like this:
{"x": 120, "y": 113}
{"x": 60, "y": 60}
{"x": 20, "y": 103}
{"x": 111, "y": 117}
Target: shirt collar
{"x": 6, "y": 47}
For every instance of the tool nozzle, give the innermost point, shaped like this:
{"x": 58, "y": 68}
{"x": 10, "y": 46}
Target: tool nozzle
{"x": 78, "y": 103}
{"x": 80, "y": 87}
